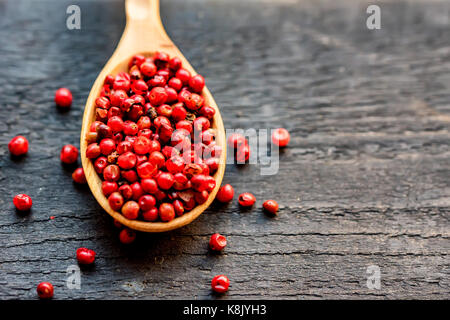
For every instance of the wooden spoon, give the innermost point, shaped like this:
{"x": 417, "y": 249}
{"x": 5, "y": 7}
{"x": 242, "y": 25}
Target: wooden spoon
{"x": 144, "y": 34}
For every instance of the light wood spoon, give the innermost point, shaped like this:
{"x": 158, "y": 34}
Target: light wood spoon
{"x": 144, "y": 34}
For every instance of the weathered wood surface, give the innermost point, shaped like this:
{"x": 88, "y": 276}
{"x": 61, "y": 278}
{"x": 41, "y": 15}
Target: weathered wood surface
{"x": 365, "y": 180}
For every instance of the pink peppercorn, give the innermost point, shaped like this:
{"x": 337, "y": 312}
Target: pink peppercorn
{"x": 63, "y": 98}
{"x": 69, "y": 154}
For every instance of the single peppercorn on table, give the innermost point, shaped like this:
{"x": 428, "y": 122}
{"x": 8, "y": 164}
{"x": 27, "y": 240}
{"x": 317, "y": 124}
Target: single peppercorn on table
{"x": 364, "y": 181}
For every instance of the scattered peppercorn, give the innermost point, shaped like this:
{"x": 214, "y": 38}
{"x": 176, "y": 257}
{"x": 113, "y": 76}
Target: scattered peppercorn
{"x": 217, "y": 242}
{"x": 246, "y": 199}
{"x": 69, "y": 154}
{"x": 127, "y": 236}
{"x": 22, "y": 202}
{"x": 78, "y": 176}
{"x": 271, "y": 206}
{"x": 281, "y": 137}
{"x": 18, "y": 146}
{"x": 63, "y": 98}
{"x": 220, "y": 283}
{"x": 85, "y": 256}
{"x": 225, "y": 193}
{"x": 45, "y": 290}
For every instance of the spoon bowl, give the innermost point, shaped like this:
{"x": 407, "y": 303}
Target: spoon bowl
{"x": 144, "y": 34}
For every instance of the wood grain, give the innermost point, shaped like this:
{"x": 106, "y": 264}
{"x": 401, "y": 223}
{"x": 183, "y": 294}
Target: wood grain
{"x": 365, "y": 180}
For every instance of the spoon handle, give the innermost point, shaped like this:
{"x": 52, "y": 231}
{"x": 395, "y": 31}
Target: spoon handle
{"x": 142, "y": 10}
{"x": 144, "y": 31}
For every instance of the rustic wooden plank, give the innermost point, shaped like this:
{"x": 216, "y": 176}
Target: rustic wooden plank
{"x": 365, "y": 180}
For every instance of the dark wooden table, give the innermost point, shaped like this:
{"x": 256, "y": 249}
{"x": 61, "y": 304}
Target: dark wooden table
{"x": 365, "y": 180}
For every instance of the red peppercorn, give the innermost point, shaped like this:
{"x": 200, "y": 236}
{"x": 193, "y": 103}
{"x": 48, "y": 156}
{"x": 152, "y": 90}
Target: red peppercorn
{"x": 175, "y": 83}
{"x": 197, "y": 83}
{"x": 22, "y": 202}
{"x": 175, "y": 164}
{"x": 172, "y": 95}
{"x": 183, "y": 75}
{"x": 107, "y": 146}
{"x": 69, "y": 154}
{"x": 213, "y": 164}
{"x": 103, "y": 102}
{"x": 235, "y": 140}
{"x": 201, "y": 124}
{"x": 100, "y": 164}
{"x": 126, "y": 191}
{"x": 85, "y": 256}
{"x": 45, "y": 290}
{"x": 164, "y": 110}
{"x": 108, "y": 187}
{"x": 130, "y": 128}
{"x": 157, "y": 159}
{"x": 127, "y": 160}
{"x": 281, "y": 137}
{"x": 178, "y": 112}
{"x": 130, "y": 210}
{"x": 146, "y": 170}
{"x": 111, "y": 173}
{"x": 217, "y": 242}
{"x": 148, "y": 69}
{"x": 149, "y": 185}
{"x": 63, "y": 98}
{"x": 93, "y": 151}
{"x": 115, "y": 201}
{"x": 161, "y": 56}
{"x": 127, "y": 236}
{"x": 271, "y": 206}
{"x": 246, "y": 199}
{"x": 101, "y": 114}
{"x": 156, "y": 81}
{"x": 118, "y": 97}
{"x": 166, "y": 212}
{"x": 157, "y": 96}
{"x": 175, "y": 63}
{"x": 165, "y": 180}
{"x": 184, "y": 125}
{"x": 150, "y": 215}
{"x": 139, "y": 87}
{"x": 207, "y": 112}
{"x": 201, "y": 182}
{"x": 243, "y": 153}
{"x": 142, "y": 145}
{"x": 18, "y": 146}
{"x": 115, "y": 123}
{"x": 91, "y": 137}
{"x": 129, "y": 175}
{"x": 137, "y": 60}
{"x": 147, "y": 202}
{"x": 124, "y": 146}
{"x": 201, "y": 197}
{"x": 220, "y": 283}
{"x": 122, "y": 82}
{"x": 137, "y": 190}
{"x": 144, "y": 123}
{"x": 194, "y": 101}
{"x": 78, "y": 176}
{"x": 178, "y": 207}
{"x": 225, "y": 193}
